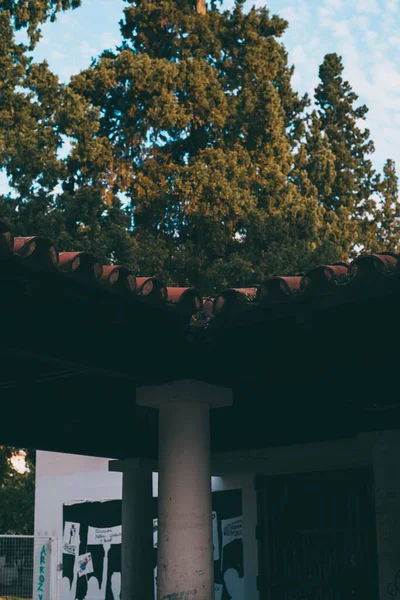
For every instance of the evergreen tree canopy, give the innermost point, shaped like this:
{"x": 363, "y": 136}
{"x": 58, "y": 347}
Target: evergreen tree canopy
{"x": 200, "y": 115}
{"x": 388, "y": 233}
{"x": 339, "y": 161}
{"x": 33, "y": 106}
{"x": 28, "y": 15}
{"x": 191, "y": 156}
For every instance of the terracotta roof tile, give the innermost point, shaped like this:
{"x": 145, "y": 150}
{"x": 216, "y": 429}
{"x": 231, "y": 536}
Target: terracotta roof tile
{"x": 152, "y": 289}
{"x": 186, "y": 298}
{"x": 81, "y": 265}
{"x": 324, "y": 281}
{"x": 120, "y": 278}
{"x": 321, "y": 279}
{"x": 281, "y": 289}
{"x": 373, "y": 266}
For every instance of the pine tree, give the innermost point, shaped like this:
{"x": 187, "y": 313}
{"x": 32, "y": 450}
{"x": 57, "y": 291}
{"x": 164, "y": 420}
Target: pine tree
{"x": 35, "y": 112}
{"x": 200, "y": 115}
{"x": 352, "y": 189}
{"x": 388, "y": 233}
{"x": 315, "y": 173}
{"x": 28, "y": 136}
{"x": 27, "y": 15}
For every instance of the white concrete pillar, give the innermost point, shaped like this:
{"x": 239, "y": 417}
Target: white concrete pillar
{"x": 185, "y": 549}
{"x": 386, "y": 460}
{"x": 137, "y": 576}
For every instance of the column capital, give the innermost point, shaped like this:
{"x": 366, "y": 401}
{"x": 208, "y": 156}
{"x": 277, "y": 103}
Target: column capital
{"x": 184, "y": 391}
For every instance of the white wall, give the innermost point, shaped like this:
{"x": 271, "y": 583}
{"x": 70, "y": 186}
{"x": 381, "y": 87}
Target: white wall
{"x": 62, "y": 478}
{"x": 249, "y": 502}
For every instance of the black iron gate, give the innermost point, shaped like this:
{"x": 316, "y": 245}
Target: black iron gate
{"x": 317, "y": 536}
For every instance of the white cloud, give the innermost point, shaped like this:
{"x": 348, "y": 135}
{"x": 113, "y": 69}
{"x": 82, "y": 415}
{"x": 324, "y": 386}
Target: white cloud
{"x": 56, "y": 55}
{"x": 326, "y": 15}
{"x": 360, "y": 21}
{"x": 334, "y": 4}
{"x": 65, "y": 148}
{"x": 66, "y": 72}
{"x": 65, "y": 19}
{"x": 298, "y": 13}
{"x": 370, "y": 35}
{"x": 315, "y": 42}
{"x": 387, "y": 77}
{"x": 341, "y": 29}
{"x": 67, "y": 36}
{"x": 290, "y": 14}
{"x": 298, "y": 55}
{"x": 368, "y": 6}
{"x": 4, "y": 187}
{"x": 88, "y": 52}
{"x": 391, "y": 5}
{"x": 109, "y": 40}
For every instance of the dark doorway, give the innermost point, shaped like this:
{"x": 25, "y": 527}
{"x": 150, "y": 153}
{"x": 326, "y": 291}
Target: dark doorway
{"x": 317, "y": 536}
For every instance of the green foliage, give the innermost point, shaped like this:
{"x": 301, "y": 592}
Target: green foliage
{"x": 388, "y": 234}
{"x": 33, "y": 111}
{"x": 200, "y": 119}
{"x": 17, "y": 494}
{"x": 193, "y": 122}
{"x": 339, "y": 163}
{"x": 28, "y": 15}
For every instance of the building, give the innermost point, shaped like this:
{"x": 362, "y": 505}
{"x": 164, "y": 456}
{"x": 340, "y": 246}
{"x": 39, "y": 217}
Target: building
{"x": 294, "y": 376}
{"x": 66, "y": 479}
{"x": 319, "y": 519}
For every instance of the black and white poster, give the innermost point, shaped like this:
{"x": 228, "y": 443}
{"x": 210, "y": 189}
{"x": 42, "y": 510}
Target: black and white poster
{"x": 92, "y": 548}
{"x": 92, "y": 551}
{"x": 228, "y": 545}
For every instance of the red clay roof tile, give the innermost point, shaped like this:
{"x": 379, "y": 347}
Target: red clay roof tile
{"x": 324, "y": 280}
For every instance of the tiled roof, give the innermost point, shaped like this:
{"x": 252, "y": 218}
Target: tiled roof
{"x": 329, "y": 284}
{"x": 304, "y": 354}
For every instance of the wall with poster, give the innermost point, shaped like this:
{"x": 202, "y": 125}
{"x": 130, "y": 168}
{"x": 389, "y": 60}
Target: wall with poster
{"x": 91, "y": 547}
{"x": 65, "y": 478}
{"x": 244, "y": 483}
{"x": 228, "y": 545}
{"x": 91, "y": 551}
{"x": 61, "y": 479}
{"x": 44, "y": 573}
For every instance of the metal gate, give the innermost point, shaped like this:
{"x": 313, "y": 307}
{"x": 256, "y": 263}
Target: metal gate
{"x": 317, "y": 536}
{"x": 28, "y": 567}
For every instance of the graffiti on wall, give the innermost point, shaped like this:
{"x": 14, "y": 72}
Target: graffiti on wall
{"x": 92, "y": 551}
{"x": 92, "y": 548}
{"x": 228, "y": 545}
{"x": 42, "y": 570}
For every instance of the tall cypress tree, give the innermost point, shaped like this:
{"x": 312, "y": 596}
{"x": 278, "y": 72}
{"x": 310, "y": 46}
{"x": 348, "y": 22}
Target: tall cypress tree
{"x": 314, "y": 174}
{"x": 201, "y": 116}
{"x": 388, "y": 232}
{"x": 351, "y": 194}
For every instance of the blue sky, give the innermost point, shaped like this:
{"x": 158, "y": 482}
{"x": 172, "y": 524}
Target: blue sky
{"x": 365, "y": 32}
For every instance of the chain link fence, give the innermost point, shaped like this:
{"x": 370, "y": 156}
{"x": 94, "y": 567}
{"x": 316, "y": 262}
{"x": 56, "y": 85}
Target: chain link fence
{"x": 27, "y": 568}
